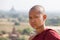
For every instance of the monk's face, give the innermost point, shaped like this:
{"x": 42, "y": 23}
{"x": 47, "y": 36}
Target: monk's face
{"x": 36, "y": 18}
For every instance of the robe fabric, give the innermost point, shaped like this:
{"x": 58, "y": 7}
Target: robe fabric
{"x": 47, "y": 34}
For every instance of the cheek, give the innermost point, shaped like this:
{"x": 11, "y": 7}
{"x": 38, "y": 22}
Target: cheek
{"x": 39, "y": 21}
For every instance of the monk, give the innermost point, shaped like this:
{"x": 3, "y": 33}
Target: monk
{"x": 37, "y": 18}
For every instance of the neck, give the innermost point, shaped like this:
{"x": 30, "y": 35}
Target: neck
{"x": 40, "y": 29}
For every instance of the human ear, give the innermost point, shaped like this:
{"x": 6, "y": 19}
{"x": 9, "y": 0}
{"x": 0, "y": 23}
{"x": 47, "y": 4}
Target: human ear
{"x": 44, "y": 17}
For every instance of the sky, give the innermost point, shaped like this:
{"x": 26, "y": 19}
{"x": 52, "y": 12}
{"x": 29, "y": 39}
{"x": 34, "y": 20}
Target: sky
{"x": 25, "y": 5}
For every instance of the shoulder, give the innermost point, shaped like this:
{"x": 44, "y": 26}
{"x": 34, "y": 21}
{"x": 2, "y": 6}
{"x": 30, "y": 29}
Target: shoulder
{"x": 32, "y": 35}
{"x": 52, "y": 34}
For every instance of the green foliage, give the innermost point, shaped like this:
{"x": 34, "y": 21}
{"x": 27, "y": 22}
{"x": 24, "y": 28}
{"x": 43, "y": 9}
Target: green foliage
{"x": 26, "y": 31}
{"x": 3, "y": 38}
{"x": 54, "y": 22}
{"x": 3, "y": 32}
{"x": 20, "y": 31}
{"x": 22, "y": 19}
{"x": 17, "y": 23}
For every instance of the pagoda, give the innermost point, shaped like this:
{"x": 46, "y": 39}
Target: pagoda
{"x": 14, "y": 35}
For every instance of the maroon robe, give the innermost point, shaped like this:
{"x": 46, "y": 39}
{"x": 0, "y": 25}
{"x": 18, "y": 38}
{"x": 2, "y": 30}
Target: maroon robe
{"x": 48, "y": 34}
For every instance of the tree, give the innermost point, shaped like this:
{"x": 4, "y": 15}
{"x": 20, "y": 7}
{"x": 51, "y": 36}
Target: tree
{"x": 26, "y": 31}
{"x": 17, "y": 23}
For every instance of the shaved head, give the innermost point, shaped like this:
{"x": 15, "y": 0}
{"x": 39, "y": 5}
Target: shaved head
{"x": 38, "y": 8}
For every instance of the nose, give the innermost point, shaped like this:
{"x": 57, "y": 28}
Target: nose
{"x": 33, "y": 20}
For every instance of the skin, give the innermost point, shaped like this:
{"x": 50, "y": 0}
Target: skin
{"x": 37, "y": 18}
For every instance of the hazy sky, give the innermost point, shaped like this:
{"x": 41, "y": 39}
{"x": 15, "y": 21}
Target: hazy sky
{"x": 50, "y": 5}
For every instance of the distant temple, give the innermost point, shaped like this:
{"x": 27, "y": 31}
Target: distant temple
{"x": 12, "y": 10}
{"x": 14, "y": 35}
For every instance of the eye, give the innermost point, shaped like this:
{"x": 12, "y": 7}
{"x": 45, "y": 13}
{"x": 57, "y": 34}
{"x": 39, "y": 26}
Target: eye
{"x": 30, "y": 17}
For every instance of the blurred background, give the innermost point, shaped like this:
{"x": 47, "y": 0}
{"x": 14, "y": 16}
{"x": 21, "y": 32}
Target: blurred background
{"x": 14, "y": 17}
